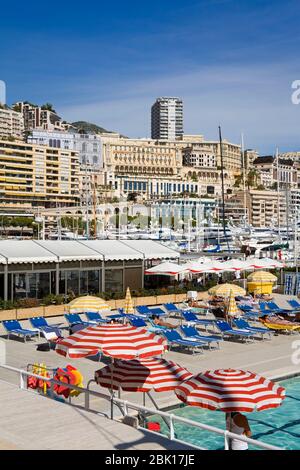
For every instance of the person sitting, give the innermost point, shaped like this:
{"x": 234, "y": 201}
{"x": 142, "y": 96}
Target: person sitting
{"x": 160, "y": 322}
{"x": 197, "y": 304}
{"x": 238, "y": 424}
{"x": 277, "y": 319}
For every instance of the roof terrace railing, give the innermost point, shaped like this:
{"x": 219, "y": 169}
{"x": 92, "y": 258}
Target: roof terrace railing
{"x": 125, "y": 406}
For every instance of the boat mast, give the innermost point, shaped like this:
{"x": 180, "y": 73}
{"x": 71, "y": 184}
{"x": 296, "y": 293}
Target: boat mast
{"x": 244, "y": 178}
{"x": 278, "y": 192}
{"x": 87, "y": 182}
{"x": 223, "y": 189}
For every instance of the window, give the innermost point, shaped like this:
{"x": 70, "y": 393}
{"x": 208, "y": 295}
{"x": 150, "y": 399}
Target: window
{"x": 72, "y": 282}
{"x": 114, "y": 280}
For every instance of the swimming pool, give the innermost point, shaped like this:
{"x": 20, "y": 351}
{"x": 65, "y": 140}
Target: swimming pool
{"x": 279, "y": 426}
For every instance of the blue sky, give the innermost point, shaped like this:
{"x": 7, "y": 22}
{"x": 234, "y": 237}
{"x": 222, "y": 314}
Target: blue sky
{"x": 232, "y": 62}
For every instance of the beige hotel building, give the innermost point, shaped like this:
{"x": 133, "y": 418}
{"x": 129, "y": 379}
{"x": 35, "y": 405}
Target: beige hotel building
{"x": 37, "y": 176}
{"x": 11, "y": 123}
{"x": 152, "y": 168}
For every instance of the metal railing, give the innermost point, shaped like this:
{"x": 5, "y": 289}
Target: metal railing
{"x": 126, "y": 405}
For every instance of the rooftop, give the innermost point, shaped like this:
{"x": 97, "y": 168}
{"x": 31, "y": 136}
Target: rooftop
{"x": 38, "y": 251}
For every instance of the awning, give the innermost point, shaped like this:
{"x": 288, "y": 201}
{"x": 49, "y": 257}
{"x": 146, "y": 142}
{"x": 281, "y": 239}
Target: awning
{"x": 69, "y": 250}
{"x": 151, "y": 249}
{"x": 112, "y": 250}
{"x": 49, "y": 251}
{"x": 24, "y": 251}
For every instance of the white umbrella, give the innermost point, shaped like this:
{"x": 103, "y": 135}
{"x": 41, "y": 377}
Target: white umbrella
{"x": 263, "y": 263}
{"x": 166, "y": 269}
{"x": 236, "y": 265}
{"x": 208, "y": 267}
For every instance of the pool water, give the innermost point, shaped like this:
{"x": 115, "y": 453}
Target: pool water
{"x": 278, "y": 426}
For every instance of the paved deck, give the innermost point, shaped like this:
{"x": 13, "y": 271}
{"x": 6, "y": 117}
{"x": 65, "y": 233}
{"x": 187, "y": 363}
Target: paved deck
{"x": 269, "y": 358}
{"x": 30, "y": 421}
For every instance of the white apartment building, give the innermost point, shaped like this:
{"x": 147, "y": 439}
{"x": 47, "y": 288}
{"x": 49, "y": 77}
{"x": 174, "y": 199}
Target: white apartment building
{"x": 11, "y": 123}
{"x": 167, "y": 119}
{"x": 88, "y": 146}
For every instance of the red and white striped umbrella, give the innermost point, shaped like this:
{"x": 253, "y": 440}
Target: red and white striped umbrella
{"x": 208, "y": 267}
{"x": 264, "y": 263}
{"x": 117, "y": 341}
{"x": 142, "y": 375}
{"x": 166, "y": 269}
{"x": 230, "y": 390}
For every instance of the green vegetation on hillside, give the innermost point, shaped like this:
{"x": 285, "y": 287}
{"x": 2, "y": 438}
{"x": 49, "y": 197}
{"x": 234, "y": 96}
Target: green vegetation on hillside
{"x": 88, "y": 127}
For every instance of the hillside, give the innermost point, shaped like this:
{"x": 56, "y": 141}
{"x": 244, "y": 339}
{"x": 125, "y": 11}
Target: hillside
{"x": 89, "y": 127}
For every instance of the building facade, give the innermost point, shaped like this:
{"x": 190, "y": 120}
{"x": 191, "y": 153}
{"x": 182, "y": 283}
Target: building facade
{"x": 37, "y": 268}
{"x": 37, "y": 117}
{"x": 140, "y": 165}
{"x": 207, "y": 154}
{"x": 167, "y": 119}
{"x": 37, "y": 176}
{"x": 272, "y": 172}
{"x": 262, "y": 207}
{"x": 157, "y": 168}
{"x": 249, "y": 156}
{"x": 11, "y": 123}
{"x": 88, "y": 146}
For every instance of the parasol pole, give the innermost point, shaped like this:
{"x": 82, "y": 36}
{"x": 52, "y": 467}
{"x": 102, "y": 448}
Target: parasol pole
{"x": 228, "y": 419}
{"x": 157, "y": 407}
{"x": 112, "y": 390}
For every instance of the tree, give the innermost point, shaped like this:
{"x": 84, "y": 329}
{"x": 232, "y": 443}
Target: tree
{"x": 132, "y": 197}
{"x": 252, "y": 178}
{"x": 17, "y": 108}
{"x": 238, "y": 181}
{"x": 48, "y": 107}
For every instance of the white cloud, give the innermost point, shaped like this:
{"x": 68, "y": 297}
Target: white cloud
{"x": 253, "y": 98}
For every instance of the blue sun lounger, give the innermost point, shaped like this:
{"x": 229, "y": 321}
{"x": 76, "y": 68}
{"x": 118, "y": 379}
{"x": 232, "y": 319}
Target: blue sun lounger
{"x": 244, "y": 325}
{"x": 137, "y": 322}
{"x": 245, "y": 308}
{"x": 172, "y": 308}
{"x": 142, "y": 310}
{"x": 271, "y": 307}
{"x": 276, "y": 309}
{"x": 75, "y": 319}
{"x": 140, "y": 323}
{"x": 192, "y": 332}
{"x": 157, "y": 311}
{"x": 95, "y": 317}
{"x": 191, "y": 317}
{"x": 294, "y": 304}
{"x": 41, "y": 324}
{"x": 159, "y": 328}
{"x": 146, "y": 311}
{"x": 13, "y": 327}
{"x": 227, "y": 330}
{"x": 174, "y": 339}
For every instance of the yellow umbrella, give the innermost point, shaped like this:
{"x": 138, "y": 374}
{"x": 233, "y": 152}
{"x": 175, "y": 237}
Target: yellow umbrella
{"x": 224, "y": 290}
{"x": 88, "y": 303}
{"x": 129, "y": 308}
{"x": 232, "y": 310}
{"x": 262, "y": 276}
